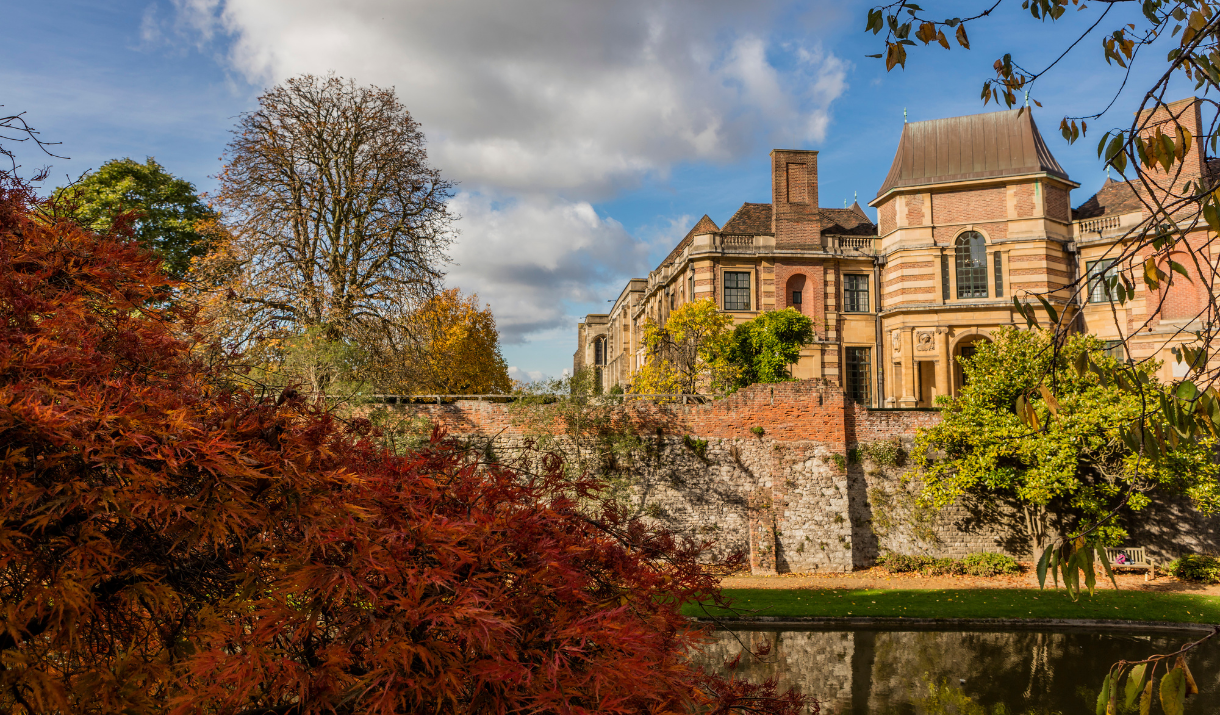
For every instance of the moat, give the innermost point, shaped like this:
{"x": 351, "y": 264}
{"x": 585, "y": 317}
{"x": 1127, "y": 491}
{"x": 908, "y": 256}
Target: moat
{"x": 863, "y": 671}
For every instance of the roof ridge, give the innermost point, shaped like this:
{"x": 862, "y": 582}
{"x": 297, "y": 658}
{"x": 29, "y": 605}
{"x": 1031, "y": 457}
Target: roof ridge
{"x": 970, "y": 147}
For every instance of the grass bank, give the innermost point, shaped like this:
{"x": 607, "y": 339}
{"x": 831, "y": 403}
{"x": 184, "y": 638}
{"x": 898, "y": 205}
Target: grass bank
{"x": 962, "y": 603}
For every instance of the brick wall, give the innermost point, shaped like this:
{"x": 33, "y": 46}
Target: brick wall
{"x": 790, "y": 497}
{"x": 870, "y": 425}
{"x": 1023, "y": 204}
{"x": 1058, "y": 203}
{"x": 992, "y": 232}
{"x": 971, "y": 206}
{"x": 915, "y": 210}
{"x": 887, "y": 217}
{"x": 1167, "y": 119}
{"x": 813, "y": 295}
{"x": 794, "y": 217}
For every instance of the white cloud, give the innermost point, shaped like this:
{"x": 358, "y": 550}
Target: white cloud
{"x": 516, "y": 374}
{"x": 551, "y": 95}
{"x": 540, "y": 108}
{"x": 528, "y": 256}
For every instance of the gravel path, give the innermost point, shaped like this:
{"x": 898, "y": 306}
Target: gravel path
{"x": 881, "y": 579}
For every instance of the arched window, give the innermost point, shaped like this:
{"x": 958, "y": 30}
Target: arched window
{"x": 599, "y": 351}
{"x": 971, "y": 265}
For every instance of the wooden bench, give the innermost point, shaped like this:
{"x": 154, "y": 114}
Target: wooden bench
{"x": 1134, "y": 558}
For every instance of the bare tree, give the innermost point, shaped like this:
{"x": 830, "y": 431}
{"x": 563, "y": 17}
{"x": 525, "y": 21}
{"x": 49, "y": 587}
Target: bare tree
{"x": 337, "y": 221}
{"x": 14, "y": 128}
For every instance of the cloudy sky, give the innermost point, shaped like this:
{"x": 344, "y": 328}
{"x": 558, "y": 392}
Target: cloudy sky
{"x": 585, "y": 137}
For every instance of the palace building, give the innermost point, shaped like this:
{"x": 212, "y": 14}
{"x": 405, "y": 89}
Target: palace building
{"x": 974, "y": 210}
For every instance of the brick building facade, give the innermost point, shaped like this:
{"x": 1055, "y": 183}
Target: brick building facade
{"x": 973, "y": 210}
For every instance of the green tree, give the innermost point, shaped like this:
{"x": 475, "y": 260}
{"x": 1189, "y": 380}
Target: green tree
{"x": 1054, "y": 446}
{"x": 1180, "y": 40}
{"x": 768, "y": 345}
{"x": 165, "y": 210}
{"x": 691, "y": 352}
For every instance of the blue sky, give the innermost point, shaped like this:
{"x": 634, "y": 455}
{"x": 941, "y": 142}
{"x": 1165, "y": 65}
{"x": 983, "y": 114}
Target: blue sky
{"x": 586, "y": 137}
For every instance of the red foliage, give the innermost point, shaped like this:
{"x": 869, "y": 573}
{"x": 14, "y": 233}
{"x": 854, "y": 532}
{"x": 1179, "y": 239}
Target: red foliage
{"x": 170, "y": 544}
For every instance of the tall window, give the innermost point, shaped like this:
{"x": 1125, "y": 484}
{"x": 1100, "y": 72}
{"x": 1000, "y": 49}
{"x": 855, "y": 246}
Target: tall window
{"x": 967, "y": 352}
{"x": 1098, "y": 272}
{"x": 1115, "y": 349}
{"x": 971, "y": 265}
{"x": 690, "y": 285}
{"x": 736, "y": 290}
{"x": 944, "y": 277}
{"x": 855, "y": 293}
{"x": 859, "y": 374}
{"x": 599, "y": 351}
{"x": 999, "y": 274}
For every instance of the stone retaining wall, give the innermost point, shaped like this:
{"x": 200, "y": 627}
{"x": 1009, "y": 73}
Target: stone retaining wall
{"x": 770, "y": 470}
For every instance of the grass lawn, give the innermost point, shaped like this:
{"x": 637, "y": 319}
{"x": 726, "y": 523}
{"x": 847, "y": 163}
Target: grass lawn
{"x": 980, "y": 603}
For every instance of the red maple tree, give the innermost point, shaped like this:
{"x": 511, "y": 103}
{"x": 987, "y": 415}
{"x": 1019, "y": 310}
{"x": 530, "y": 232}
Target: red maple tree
{"x": 172, "y": 543}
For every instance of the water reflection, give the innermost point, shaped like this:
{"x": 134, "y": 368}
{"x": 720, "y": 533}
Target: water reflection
{"x": 929, "y": 672}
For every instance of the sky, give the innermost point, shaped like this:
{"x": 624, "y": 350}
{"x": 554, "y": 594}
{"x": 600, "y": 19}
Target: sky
{"x": 585, "y": 137}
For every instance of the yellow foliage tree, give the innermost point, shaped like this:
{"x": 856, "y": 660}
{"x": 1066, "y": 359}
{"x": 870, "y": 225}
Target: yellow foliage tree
{"x": 690, "y": 353}
{"x": 450, "y": 346}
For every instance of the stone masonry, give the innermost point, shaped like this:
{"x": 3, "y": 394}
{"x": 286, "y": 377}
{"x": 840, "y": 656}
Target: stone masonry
{"x": 789, "y": 473}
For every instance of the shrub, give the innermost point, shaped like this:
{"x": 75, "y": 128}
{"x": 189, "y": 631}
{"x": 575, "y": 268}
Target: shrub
{"x": 185, "y": 545}
{"x": 839, "y": 461}
{"x": 884, "y": 453}
{"x": 758, "y": 431}
{"x": 987, "y": 564}
{"x": 1196, "y": 567}
{"x": 973, "y": 565}
{"x": 944, "y": 567}
{"x": 698, "y": 446}
{"x": 903, "y": 563}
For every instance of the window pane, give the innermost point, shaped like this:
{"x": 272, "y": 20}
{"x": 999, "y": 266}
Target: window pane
{"x": 999, "y": 275}
{"x": 944, "y": 277}
{"x": 1098, "y": 272}
{"x": 796, "y": 297}
{"x": 971, "y": 259}
{"x": 859, "y": 374}
{"x": 736, "y": 290}
{"x": 855, "y": 293}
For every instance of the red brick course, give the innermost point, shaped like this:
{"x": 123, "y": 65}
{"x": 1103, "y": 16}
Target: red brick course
{"x": 971, "y": 206}
{"x": 800, "y": 411}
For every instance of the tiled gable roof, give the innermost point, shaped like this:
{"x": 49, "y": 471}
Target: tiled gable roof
{"x": 750, "y": 219}
{"x": 756, "y": 219}
{"x": 704, "y": 225}
{"x": 847, "y": 222}
{"x": 1114, "y": 197}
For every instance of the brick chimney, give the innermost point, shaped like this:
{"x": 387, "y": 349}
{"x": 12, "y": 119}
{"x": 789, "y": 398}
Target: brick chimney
{"x": 1184, "y": 113}
{"x": 794, "y": 198}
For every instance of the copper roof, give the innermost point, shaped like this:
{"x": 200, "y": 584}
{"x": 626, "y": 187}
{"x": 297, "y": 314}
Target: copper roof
{"x": 978, "y": 146}
{"x": 750, "y": 218}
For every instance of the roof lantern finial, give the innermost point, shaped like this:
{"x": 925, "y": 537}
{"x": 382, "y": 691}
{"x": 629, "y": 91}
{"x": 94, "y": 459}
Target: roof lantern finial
{"x": 1107, "y": 172}
{"x": 1027, "y": 97}
{"x": 844, "y": 203}
{"x": 904, "y": 115}
{"x": 855, "y": 197}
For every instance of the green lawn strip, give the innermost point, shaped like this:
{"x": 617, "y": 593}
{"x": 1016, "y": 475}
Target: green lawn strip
{"x": 978, "y": 603}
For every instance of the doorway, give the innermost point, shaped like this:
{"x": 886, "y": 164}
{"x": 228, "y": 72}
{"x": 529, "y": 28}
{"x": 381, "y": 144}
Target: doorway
{"x": 925, "y": 374}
